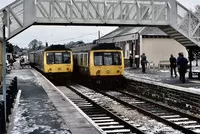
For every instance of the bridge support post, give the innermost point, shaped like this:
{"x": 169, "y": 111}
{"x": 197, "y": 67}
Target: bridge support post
{"x": 4, "y": 61}
{"x": 191, "y": 58}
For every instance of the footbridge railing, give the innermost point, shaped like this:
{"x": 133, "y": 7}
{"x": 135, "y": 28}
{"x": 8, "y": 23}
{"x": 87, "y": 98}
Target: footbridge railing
{"x": 169, "y": 15}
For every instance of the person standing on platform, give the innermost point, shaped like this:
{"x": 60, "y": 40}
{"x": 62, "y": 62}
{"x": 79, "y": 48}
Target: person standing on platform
{"x": 172, "y": 60}
{"x": 21, "y": 61}
{"x": 178, "y": 66}
{"x": 131, "y": 60}
{"x": 143, "y": 62}
{"x": 182, "y": 63}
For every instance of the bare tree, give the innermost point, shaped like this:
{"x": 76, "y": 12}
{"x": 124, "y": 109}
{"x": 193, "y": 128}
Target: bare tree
{"x": 197, "y": 10}
{"x": 35, "y": 45}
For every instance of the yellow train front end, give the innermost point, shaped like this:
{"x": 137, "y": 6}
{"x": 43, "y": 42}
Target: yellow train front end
{"x": 58, "y": 62}
{"x": 106, "y": 66}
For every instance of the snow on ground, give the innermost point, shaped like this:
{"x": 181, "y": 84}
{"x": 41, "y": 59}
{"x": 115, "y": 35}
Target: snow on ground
{"x": 144, "y": 123}
{"x": 35, "y": 113}
{"x": 25, "y": 123}
{"x": 163, "y": 78}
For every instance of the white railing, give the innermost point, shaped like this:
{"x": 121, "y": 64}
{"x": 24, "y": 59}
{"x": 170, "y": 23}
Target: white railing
{"x": 24, "y": 13}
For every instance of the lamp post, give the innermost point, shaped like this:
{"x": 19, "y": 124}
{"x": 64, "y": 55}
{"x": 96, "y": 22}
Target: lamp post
{"x": 4, "y": 59}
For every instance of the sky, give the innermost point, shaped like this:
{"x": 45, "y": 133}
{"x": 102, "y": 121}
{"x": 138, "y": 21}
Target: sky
{"x": 65, "y": 34}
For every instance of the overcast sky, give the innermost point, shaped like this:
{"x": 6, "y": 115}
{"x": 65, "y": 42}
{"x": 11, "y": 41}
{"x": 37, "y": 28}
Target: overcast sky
{"x": 65, "y": 34}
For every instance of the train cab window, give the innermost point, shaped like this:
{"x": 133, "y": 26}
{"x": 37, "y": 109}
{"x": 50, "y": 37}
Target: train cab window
{"x": 117, "y": 59}
{"x": 50, "y": 58}
{"x": 66, "y": 57}
{"x": 98, "y": 59}
{"x": 58, "y": 58}
{"x": 107, "y": 58}
{"x": 111, "y": 58}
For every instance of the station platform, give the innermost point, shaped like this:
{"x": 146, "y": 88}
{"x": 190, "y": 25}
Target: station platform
{"x": 40, "y": 109}
{"x": 163, "y": 78}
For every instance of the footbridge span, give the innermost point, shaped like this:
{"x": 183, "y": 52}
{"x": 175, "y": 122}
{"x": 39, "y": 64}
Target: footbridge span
{"x": 169, "y": 15}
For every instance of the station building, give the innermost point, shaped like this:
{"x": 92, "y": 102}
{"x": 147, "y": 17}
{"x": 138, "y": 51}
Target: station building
{"x": 152, "y": 41}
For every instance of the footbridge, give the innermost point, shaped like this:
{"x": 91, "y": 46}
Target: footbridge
{"x": 169, "y": 15}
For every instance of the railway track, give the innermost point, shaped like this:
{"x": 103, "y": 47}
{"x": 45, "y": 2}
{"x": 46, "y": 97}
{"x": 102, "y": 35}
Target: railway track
{"x": 176, "y": 119}
{"x": 108, "y": 121}
{"x": 138, "y": 120}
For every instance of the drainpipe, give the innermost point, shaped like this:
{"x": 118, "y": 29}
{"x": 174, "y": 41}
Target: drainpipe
{"x": 138, "y": 50}
{"x": 191, "y": 57}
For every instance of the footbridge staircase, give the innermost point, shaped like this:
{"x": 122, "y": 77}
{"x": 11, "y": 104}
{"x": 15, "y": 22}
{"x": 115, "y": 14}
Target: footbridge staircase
{"x": 169, "y": 15}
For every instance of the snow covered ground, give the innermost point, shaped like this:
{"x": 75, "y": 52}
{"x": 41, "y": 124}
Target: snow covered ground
{"x": 157, "y": 77}
{"x": 163, "y": 78}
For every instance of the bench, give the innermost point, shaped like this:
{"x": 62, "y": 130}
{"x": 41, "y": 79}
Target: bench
{"x": 164, "y": 64}
{"x": 196, "y": 72}
{"x": 23, "y": 65}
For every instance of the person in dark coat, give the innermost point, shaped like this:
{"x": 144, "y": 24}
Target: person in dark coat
{"x": 131, "y": 60}
{"x": 21, "y": 61}
{"x": 143, "y": 62}
{"x": 178, "y": 66}
{"x": 182, "y": 64}
{"x": 172, "y": 60}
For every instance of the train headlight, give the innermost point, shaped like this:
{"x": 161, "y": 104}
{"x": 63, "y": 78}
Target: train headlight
{"x": 107, "y": 71}
{"x": 98, "y": 72}
{"x": 59, "y": 69}
{"x": 67, "y": 69}
{"x": 118, "y": 71}
{"x": 49, "y": 70}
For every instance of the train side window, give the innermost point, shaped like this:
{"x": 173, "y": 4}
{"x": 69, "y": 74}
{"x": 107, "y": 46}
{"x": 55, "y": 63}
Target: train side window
{"x": 81, "y": 60}
{"x": 66, "y": 57}
{"x": 58, "y": 58}
{"x": 85, "y": 60}
{"x": 50, "y": 58}
{"x": 98, "y": 59}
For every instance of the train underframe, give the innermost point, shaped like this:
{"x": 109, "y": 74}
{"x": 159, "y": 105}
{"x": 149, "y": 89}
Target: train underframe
{"x": 108, "y": 81}
{"x": 102, "y": 82}
{"x": 60, "y": 78}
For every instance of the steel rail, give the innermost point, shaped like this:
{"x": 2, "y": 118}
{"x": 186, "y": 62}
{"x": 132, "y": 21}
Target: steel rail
{"x": 112, "y": 115}
{"x": 144, "y": 111}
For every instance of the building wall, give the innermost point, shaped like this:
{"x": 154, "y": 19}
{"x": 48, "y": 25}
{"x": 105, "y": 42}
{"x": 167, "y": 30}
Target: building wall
{"x": 160, "y": 49}
{"x": 128, "y": 49}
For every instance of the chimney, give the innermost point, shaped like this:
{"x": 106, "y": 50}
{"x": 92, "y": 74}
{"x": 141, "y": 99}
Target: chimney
{"x": 47, "y": 44}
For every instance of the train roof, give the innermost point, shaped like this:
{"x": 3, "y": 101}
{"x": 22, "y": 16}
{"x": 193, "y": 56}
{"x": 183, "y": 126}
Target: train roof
{"x": 88, "y": 47}
{"x": 56, "y": 47}
{"x": 110, "y": 46}
{"x": 52, "y": 47}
